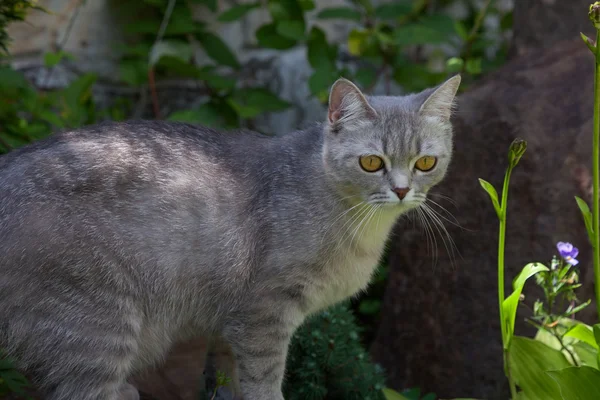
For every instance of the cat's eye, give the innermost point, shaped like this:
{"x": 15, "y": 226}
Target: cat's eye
{"x": 371, "y": 163}
{"x": 426, "y": 163}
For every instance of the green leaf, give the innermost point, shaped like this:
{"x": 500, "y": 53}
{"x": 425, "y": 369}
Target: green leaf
{"x": 491, "y": 191}
{"x": 454, "y": 65}
{"x": 291, "y": 29}
{"x": 182, "y": 22}
{"x": 11, "y": 80}
{"x": 587, "y": 217}
{"x": 473, "y": 66}
{"x": 133, "y": 72}
{"x": 268, "y": 37}
{"x": 207, "y": 114}
{"x": 577, "y": 383}
{"x": 529, "y": 360}
{"x": 588, "y": 42}
{"x": 173, "y": 48}
{"x": 237, "y": 12}
{"x": 596, "y": 329}
{"x": 433, "y": 29}
{"x": 461, "y": 30}
{"x": 509, "y": 305}
{"x": 51, "y": 118}
{"x": 357, "y": 41}
{"x": 320, "y": 81}
{"x": 575, "y": 351}
{"x": 319, "y": 52}
{"x": 587, "y": 354}
{"x": 250, "y": 102}
{"x": 393, "y": 10}
{"x": 391, "y": 394}
{"x": 142, "y": 26}
{"x": 340, "y": 13}
{"x": 307, "y": 5}
{"x": 52, "y": 59}
{"x": 214, "y": 80}
{"x": 80, "y": 90}
{"x": 583, "y": 332}
{"x": 366, "y": 77}
{"x": 218, "y": 50}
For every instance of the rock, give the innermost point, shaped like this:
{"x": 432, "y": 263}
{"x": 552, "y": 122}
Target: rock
{"x": 539, "y": 24}
{"x": 440, "y": 328}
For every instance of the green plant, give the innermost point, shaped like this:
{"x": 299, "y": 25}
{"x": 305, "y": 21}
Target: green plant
{"x": 592, "y": 219}
{"x": 27, "y": 115}
{"x": 327, "y": 361}
{"x": 11, "y": 381}
{"x": 162, "y": 44}
{"x": 562, "y": 361}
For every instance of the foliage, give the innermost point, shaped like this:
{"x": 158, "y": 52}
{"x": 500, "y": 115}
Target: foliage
{"x": 593, "y": 228}
{"x": 327, "y": 361}
{"x": 562, "y": 361}
{"x": 11, "y": 381}
{"x": 11, "y": 11}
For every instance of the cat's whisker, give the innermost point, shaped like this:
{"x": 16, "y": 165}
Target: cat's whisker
{"x": 429, "y": 235}
{"x": 326, "y": 230}
{"x": 368, "y": 221}
{"x": 450, "y": 245}
{"x": 455, "y": 222}
{"x": 359, "y": 214}
{"x": 363, "y": 223}
{"x": 447, "y": 198}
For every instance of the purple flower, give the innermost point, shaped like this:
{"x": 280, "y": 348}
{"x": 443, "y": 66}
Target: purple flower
{"x": 568, "y": 252}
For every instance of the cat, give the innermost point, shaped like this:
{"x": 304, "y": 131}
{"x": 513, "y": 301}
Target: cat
{"x": 121, "y": 239}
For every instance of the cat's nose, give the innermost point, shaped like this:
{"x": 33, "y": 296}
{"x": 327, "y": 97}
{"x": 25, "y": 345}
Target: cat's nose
{"x": 401, "y": 192}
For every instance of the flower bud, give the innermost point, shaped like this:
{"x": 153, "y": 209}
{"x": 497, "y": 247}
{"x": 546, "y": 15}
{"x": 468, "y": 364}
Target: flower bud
{"x": 516, "y": 151}
{"x": 594, "y": 14}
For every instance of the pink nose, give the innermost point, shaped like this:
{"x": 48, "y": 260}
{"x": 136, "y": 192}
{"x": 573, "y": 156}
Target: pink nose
{"x": 401, "y": 192}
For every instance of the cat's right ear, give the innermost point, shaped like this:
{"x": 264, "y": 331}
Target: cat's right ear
{"x": 348, "y": 104}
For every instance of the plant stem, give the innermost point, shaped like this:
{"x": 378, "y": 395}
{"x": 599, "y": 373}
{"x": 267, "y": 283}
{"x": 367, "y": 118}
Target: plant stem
{"x": 513, "y": 388}
{"x": 596, "y": 174}
{"x": 501, "y": 241}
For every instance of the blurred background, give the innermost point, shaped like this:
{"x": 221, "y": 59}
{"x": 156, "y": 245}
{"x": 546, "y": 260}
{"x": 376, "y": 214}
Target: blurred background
{"x": 430, "y": 317}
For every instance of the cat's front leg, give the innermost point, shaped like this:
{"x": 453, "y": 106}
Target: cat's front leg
{"x": 260, "y": 347}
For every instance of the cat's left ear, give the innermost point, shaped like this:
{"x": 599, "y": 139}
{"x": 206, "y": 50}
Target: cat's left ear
{"x": 440, "y": 103}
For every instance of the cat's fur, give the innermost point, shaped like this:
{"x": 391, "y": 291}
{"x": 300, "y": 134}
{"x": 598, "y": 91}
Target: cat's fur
{"x": 119, "y": 240}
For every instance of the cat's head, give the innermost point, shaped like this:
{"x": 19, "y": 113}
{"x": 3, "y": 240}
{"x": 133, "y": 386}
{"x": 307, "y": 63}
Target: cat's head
{"x": 388, "y": 150}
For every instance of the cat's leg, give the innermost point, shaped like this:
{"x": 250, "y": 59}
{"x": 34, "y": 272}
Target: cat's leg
{"x": 260, "y": 346}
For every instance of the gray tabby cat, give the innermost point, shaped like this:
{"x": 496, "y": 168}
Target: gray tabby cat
{"x": 119, "y": 240}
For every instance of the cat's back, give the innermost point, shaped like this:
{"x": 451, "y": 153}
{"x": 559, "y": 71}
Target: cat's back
{"x": 134, "y": 181}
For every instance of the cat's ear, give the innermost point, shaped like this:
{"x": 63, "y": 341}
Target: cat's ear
{"x": 441, "y": 101}
{"x": 347, "y": 103}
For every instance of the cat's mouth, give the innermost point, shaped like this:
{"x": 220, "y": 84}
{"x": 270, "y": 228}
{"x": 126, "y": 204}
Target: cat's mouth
{"x": 409, "y": 200}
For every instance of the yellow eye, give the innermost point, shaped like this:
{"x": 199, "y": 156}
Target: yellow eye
{"x": 371, "y": 163}
{"x": 426, "y": 163}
